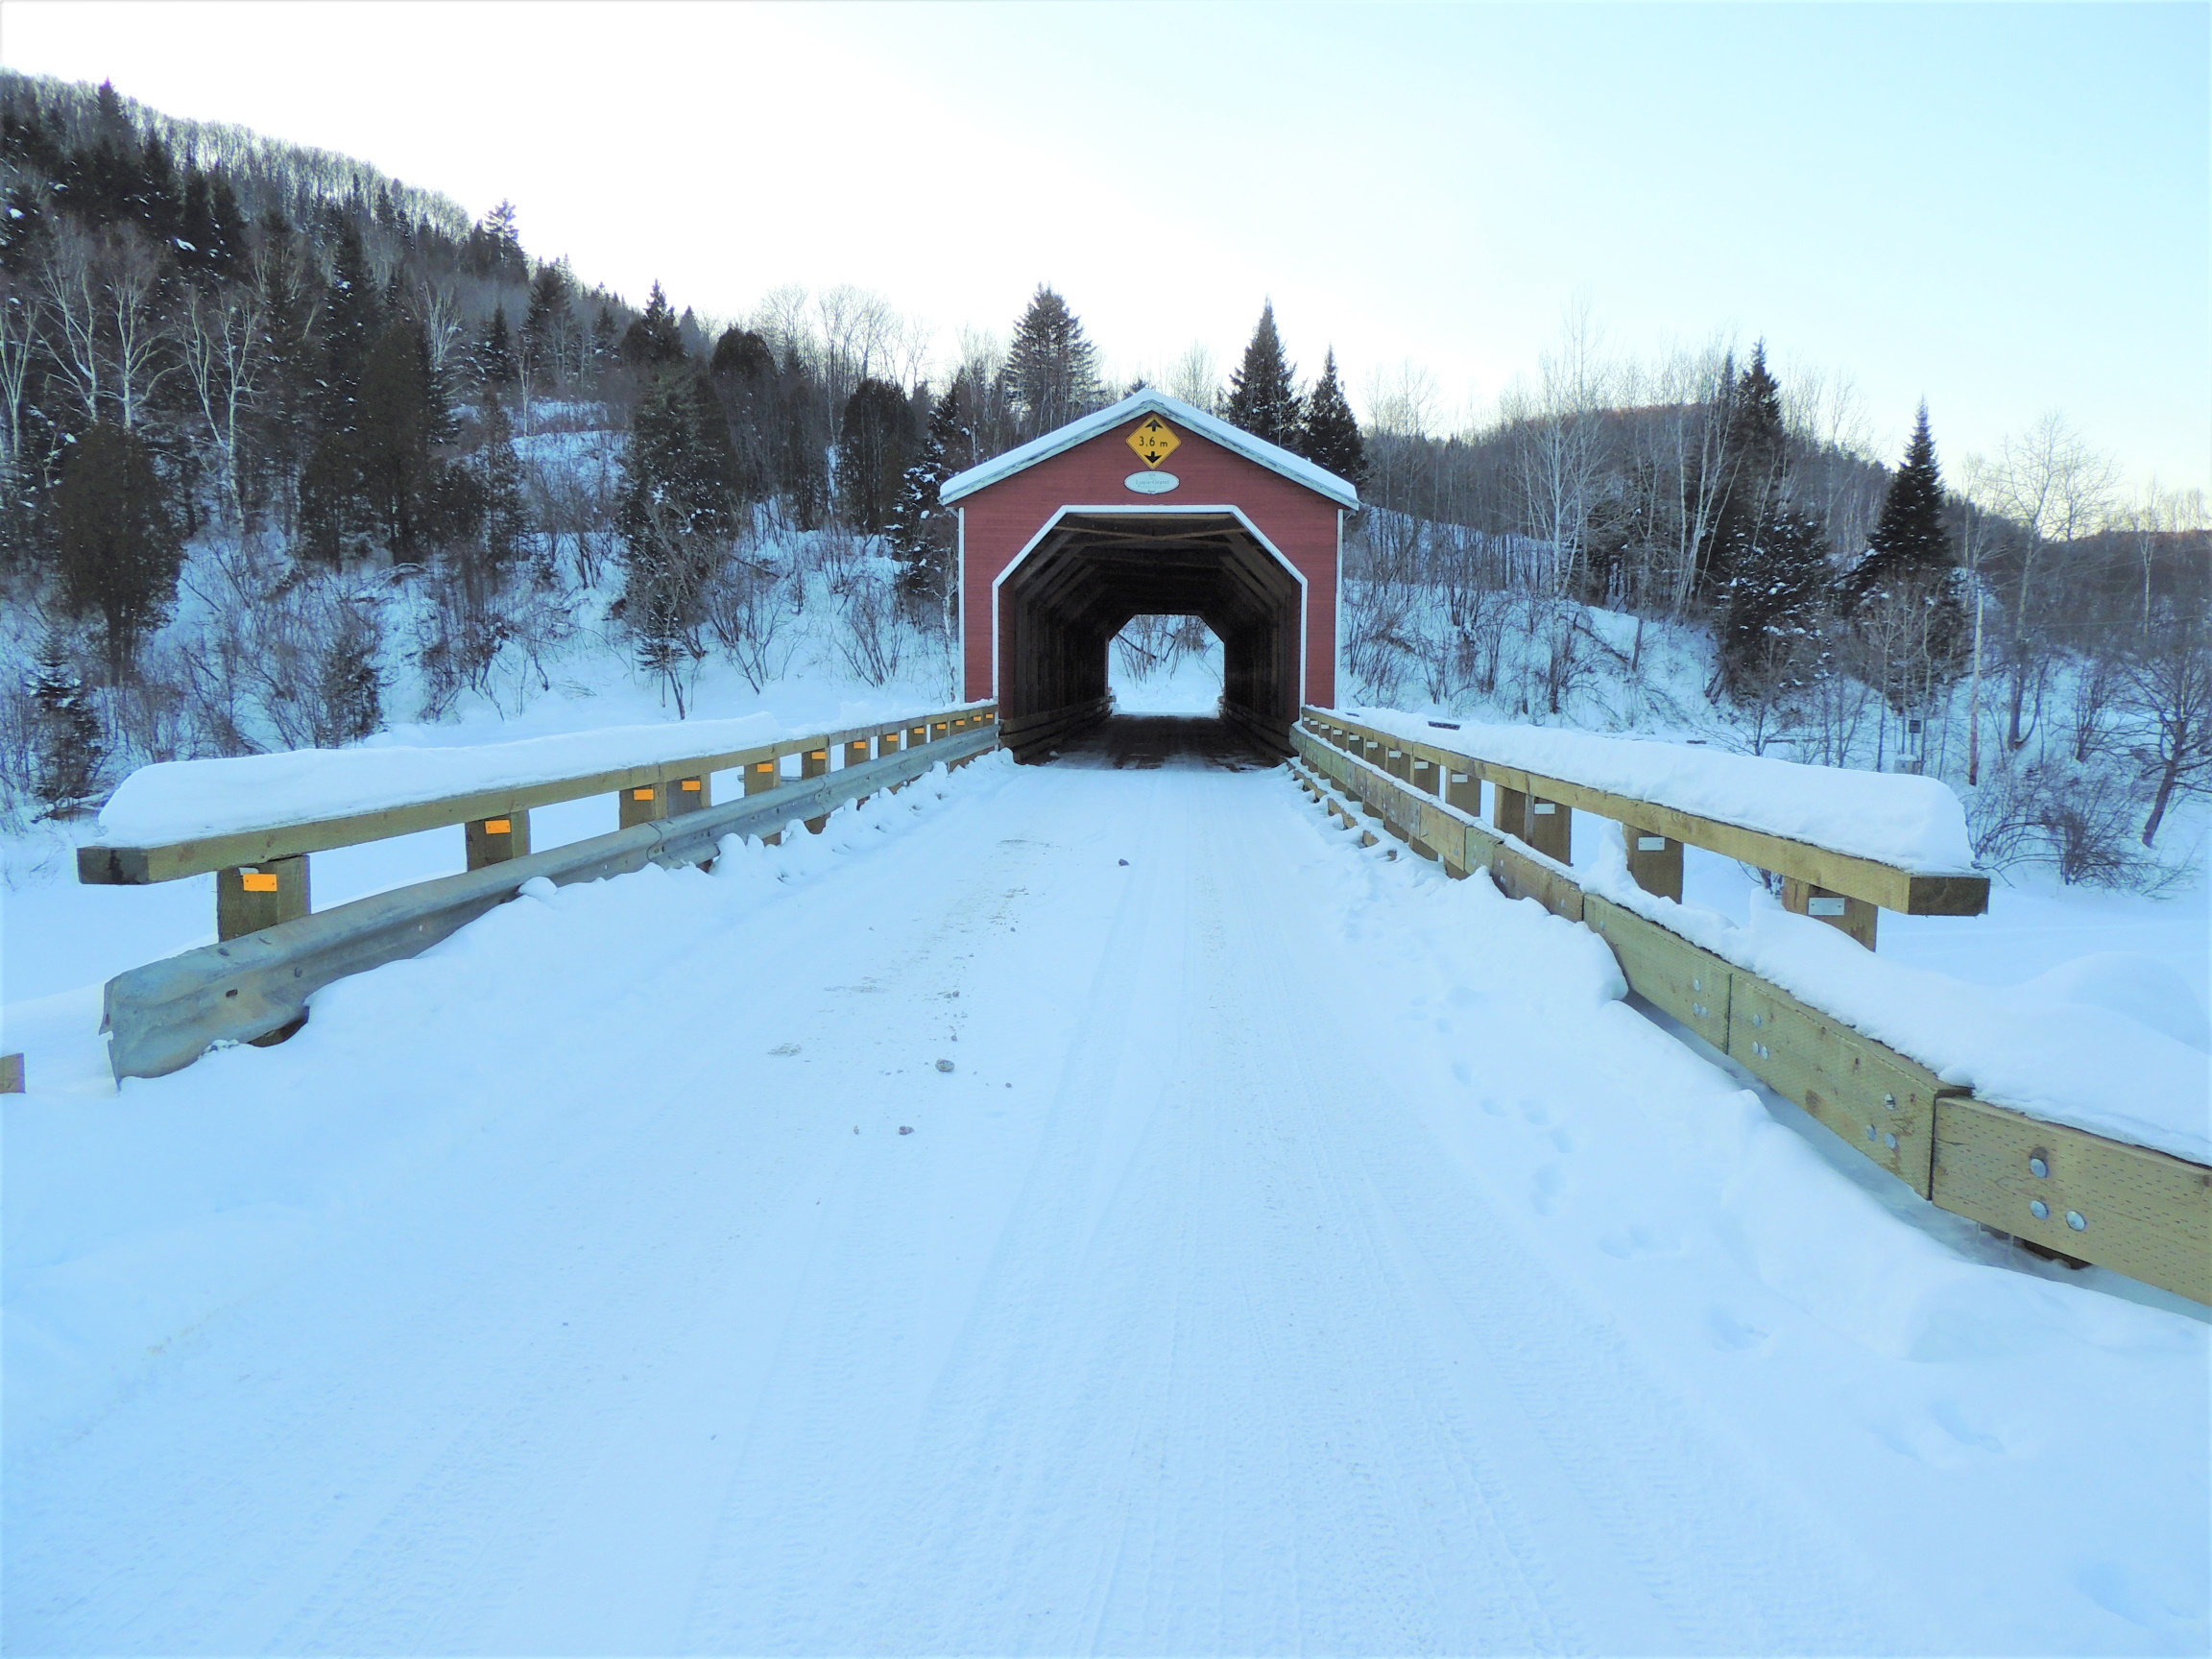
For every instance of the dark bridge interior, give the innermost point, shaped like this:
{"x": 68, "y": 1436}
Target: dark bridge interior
{"x": 1064, "y": 604}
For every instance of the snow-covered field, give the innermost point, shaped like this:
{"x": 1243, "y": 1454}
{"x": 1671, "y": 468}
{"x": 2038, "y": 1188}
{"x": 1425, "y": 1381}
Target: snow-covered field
{"x": 1299, "y": 1251}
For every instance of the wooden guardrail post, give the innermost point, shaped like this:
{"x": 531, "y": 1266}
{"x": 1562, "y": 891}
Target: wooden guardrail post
{"x": 646, "y": 803}
{"x": 814, "y": 763}
{"x": 690, "y": 795}
{"x": 252, "y": 897}
{"x": 496, "y": 840}
{"x": 762, "y": 776}
{"x": 1464, "y": 790}
{"x": 1509, "y": 810}
{"x": 1550, "y": 829}
{"x": 1654, "y": 861}
{"x": 1424, "y": 776}
{"x": 1853, "y": 916}
{"x": 856, "y": 752}
{"x": 1398, "y": 763}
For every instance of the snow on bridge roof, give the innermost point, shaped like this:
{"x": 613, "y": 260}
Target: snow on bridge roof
{"x": 1151, "y": 401}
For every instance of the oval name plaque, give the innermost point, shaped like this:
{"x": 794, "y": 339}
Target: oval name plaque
{"x": 1150, "y": 483}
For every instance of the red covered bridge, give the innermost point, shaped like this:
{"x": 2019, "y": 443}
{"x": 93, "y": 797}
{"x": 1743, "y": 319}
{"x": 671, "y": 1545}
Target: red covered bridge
{"x": 1149, "y": 506}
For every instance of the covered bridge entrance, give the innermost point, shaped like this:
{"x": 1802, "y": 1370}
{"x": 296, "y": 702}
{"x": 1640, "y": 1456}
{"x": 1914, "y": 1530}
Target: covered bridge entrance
{"x": 1148, "y": 506}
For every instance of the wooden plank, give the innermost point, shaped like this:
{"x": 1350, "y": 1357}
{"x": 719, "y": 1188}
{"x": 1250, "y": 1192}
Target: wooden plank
{"x": 1521, "y": 877}
{"x": 1878, "y": 1101}
{"x": 2142, "y": 1212}
{"x": 1665, "y": 969}
{"x": 1959, "y": 894}
{"x": 102, "y": 865}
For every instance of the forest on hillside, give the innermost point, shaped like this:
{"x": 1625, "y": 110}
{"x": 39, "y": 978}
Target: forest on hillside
{"x": 291, "y": 451}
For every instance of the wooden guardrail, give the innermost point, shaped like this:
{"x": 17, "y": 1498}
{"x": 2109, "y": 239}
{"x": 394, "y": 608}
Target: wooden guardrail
{"x": 1843, "y": 889}
{"x": 1026, "y": 734}
{"x": 262, "y": 874}
{"x": 2062, "y": 1190}
{"x": 255, "y": 988}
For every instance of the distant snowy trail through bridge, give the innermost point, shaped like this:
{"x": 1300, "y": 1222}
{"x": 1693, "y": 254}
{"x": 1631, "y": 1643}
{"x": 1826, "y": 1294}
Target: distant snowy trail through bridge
{"x": 1300, "y": 1254}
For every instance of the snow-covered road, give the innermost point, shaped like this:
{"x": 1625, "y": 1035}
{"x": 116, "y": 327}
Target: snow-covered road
{"x": 1303, "y": 1252}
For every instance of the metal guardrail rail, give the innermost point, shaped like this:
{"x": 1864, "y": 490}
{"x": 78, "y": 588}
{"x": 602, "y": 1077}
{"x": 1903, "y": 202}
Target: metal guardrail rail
{"x": 2064, "y": 1191}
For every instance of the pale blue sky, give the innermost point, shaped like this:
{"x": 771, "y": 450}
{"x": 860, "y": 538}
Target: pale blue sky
{"x": 2006, "y": 209}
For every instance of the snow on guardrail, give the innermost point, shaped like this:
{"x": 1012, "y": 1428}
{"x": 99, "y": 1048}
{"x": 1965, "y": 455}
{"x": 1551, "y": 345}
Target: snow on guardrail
{"x": 2062, "y": 1052}
{"x": 1916, "y": 823}
{"x": 180, "y": 800}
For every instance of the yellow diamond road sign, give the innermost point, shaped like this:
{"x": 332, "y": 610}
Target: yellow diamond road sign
{"x": 1154, "y": 440}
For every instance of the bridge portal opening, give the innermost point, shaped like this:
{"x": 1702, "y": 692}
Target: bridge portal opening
{"x": 1062, "y": 606}
{"x": 1165, "y": 666}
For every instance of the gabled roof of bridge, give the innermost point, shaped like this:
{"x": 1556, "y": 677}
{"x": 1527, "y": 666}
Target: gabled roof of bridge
{"x": 1149, "y": 401}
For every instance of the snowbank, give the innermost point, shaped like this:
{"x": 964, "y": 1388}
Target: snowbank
{"x": 177, "y": 800}
{"x": 1916, "y": 823}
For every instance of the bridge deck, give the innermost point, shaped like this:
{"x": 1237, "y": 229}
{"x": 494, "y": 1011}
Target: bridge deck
{"x": 1299, "y": 1255}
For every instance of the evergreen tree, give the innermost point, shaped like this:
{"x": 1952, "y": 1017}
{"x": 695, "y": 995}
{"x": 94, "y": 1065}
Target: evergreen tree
{"x": 70, "y": 744}
{"x": 676, "y": 517}
{"x": 545, "y": 324}
{"x": 1331, "y": 436}
{"x": 506, "y": 519}
{"x": 196, "y": 225}
{"x": 654, "y": 341}
{"x": 923, "y": 530}
{"x": 350, "y": 682}
{"x": 874, "y": 446}
{"x": 225, "y": 252}
{"x": 743, "y": 369}
{"x": 1910, "y": 547}
{"x": 1903, "y": 598}
{"x": 1774, "y": 614}
{"x": 1755, "y": 443}
{"x": 118, "y": 544}
{"x": 401, "y": 418}
{"x": 496, "y": 354}
{"x": 1051, "y": 370}
{"x": 352, "y": 319}
{"x": 1263, "y": 391}
{"x": 801, "y": 477}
